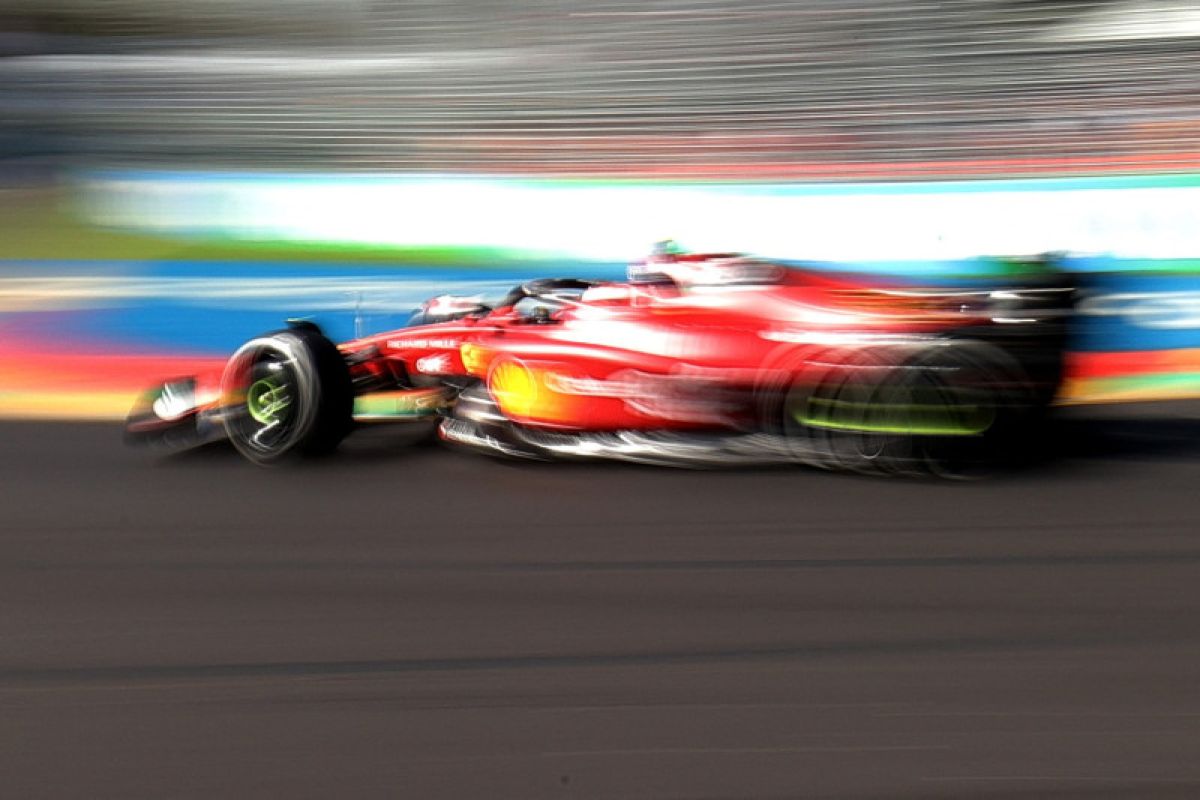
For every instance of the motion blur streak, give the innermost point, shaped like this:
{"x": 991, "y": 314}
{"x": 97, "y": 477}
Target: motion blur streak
{"x": 1131, "y": 217}
{"x": 217, "y": 152}
{"x": 55, "y": 381}
{"x": 636, "y": 87}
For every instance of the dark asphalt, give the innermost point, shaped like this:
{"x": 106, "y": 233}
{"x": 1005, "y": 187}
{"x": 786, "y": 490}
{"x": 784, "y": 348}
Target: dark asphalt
{"x": 418, "y": 623}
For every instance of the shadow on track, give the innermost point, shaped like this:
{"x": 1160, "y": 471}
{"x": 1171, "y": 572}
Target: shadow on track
{"x": 1169, "y": 432}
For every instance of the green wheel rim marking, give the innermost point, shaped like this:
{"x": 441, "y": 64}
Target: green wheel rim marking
{"x": 265, "y": 401}
{"x": 920, "y": 419}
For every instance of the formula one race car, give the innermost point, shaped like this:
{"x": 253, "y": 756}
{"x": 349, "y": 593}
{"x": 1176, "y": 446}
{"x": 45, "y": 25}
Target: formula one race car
{"x": 696, "y": 360}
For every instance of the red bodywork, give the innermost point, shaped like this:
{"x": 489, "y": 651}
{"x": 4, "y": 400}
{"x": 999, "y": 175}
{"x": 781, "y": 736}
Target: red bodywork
{"x": 627, "y": 356}
{"x": 729, "y": 356}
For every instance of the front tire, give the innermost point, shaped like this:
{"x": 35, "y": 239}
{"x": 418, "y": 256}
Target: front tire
{"x": 287, "y": 394}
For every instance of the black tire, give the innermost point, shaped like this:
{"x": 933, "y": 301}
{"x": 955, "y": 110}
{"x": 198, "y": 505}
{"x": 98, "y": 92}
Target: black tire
{"x": 996, "y": 390}
{"x": 287, "y": 394}
{"x": 854, "y": 382}
{"x": 955, "y": 410}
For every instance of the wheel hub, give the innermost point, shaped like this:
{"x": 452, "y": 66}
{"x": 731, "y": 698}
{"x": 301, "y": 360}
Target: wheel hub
{"x": 266, "y": 401}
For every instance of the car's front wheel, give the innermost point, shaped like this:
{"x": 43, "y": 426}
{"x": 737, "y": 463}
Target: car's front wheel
{"x": 287, "y": 393}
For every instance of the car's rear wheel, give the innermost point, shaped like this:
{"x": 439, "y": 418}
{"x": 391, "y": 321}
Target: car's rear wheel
{"x": 990, "y": 405}
{"x": 952, "y": 410}
{"x": 286, "y": 394}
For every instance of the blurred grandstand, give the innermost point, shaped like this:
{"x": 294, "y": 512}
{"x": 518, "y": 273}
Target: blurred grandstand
{"x": 770, "y": 89}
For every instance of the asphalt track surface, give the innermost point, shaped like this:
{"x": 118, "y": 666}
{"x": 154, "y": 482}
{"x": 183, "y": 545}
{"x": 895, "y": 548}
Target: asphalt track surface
{"x": 413, "y": 622}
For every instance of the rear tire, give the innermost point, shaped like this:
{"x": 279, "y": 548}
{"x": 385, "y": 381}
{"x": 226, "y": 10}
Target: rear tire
{"x": 287, "y": 394}
{"x": 987, "y": 395}
{"x": 954, "y": 410}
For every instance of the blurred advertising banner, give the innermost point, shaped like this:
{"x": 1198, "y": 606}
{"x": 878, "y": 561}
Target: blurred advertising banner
{"x": 917, "y": 225}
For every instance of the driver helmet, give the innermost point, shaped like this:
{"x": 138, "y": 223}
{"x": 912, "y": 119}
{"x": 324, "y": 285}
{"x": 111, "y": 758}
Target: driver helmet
{"x": 669, "y": 265}
{"x": 656, "y": 268}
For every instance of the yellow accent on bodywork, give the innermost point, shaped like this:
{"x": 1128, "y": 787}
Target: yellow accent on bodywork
{"x": 475, "y": 358}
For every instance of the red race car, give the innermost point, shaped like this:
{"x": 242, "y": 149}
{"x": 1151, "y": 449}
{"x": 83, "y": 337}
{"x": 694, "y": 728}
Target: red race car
{"x": 698, "y": 359}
